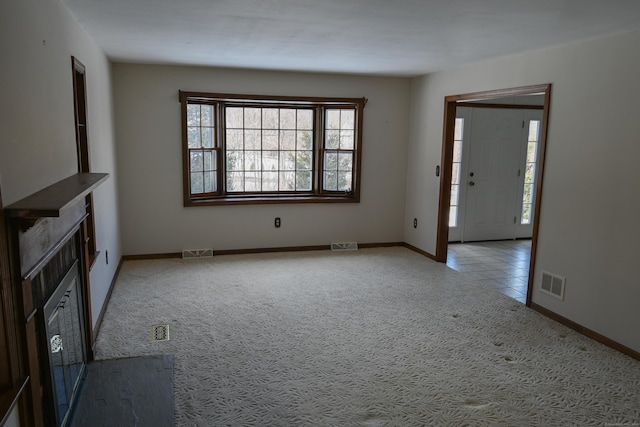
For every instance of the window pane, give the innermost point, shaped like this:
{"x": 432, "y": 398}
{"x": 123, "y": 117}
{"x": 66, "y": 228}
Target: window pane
{"x": 330, "y": 181}
{"x": 330, "y": 161}
{"x": 287, "y": 181}
{"x": 207, "y": 137}
{"x": 269, "y": 139}
{"x": 209, "y": 160}
{"x": 197, "y": 183}
{"x": 252, "y": 139}
{"x": 235, "y": 139}
{"x": 454, "y": 194}
{"x": 270, "y": 160}
{"x": 196, "y": 161}
{"x": 344, "y": 181}
{"x": 345, "y": 162}
{"x": 253, "y": 160}
{"x": 235, "y": 117}
{"x": 529, "y": 174}
{"x": 459, "y": 127}
{"x": 287, "y": 118}
{"x": 347, "y": 119}
{"x": 457, "y": 151}
{"x": 304, "y": 140}
{"x": 346, "y": 139}
{"x": 270, "y": 118}
{"x": 206, "y": 116}
{"x": 193, "y": 115}
{"x": 455, "y": 173}
{"x": 304, "y": 161}
{"x": 332, "y": 141}
{"x": 526, "y": 214}
{"x": 252, "y": 181}
{"x": 303, "y": 181}
{"x": 287, "y": 160}
{"x": 305, "y": 119}
{"x": 333, "y": 119}
{"x": 210, "y": 182}
{"x": 270, "y": 181}
{"x": 288, "y": 140}
{"x": 253, "y": 118}
{"x": 532, "y": 149}
{"x": 235, "y": 161}
{"x": 534, "y": 125}
{"x": 193, "y": 137}
{"x": 527, "y": 197}
{"x": 453, "y": 216}
{"x": 235, "y": 181}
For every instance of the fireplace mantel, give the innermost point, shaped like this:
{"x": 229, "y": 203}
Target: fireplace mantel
{"x": 50, "y": 201}
{"x": 48, "y": 237}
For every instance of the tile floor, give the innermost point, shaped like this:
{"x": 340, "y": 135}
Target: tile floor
{"x": 501, "y": 265}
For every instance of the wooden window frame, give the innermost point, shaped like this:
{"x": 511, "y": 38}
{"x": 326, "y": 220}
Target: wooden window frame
{"x": 81, "y": 121}
{"x": 317, "y": 194}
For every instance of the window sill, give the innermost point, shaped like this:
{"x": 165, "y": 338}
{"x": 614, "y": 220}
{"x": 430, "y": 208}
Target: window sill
{"x": 244, "y": 200}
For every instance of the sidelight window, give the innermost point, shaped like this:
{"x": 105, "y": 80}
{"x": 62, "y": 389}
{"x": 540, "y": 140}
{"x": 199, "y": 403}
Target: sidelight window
{"x": 456, "y": 171}
{"x": 533, "y": 139}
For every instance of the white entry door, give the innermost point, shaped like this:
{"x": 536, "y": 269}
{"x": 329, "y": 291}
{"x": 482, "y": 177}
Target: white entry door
{"x": 492, "y": 205}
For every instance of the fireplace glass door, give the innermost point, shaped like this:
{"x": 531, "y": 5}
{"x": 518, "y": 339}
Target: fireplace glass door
{"x": 65, "y": 340}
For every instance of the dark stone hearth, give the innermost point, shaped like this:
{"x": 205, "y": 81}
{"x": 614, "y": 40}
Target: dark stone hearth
{"x": 127, "y": 392}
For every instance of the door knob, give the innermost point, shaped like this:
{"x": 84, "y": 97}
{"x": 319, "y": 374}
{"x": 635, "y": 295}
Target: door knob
{"x": 471, "y": 183}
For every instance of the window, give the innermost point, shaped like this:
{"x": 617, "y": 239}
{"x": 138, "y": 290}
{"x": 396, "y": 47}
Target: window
{"x": 533, "y": 138}
{"x": 264, "y": 149}
{"x": 456, "y": 170}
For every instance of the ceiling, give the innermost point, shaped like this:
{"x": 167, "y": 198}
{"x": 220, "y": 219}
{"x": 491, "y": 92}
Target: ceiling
{"x": 376, "y": 37}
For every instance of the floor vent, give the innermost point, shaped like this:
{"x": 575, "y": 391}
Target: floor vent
{"x": 552, "y": 284}
{"x": 160, "y": 333}
{"x": 344, "y": 246}
{"x": 197, "y": 253}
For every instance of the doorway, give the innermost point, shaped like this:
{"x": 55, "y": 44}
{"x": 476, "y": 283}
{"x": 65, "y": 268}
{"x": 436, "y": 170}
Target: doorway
{"x": 493, "y": 177}
{"x": 452, "y": 103}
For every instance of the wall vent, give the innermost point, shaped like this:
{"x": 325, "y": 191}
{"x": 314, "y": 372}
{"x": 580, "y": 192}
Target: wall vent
{"x": 160, "y": 333}
{"x": 197, "y": 253}
{"x": 552, "y": 284}
{"x": 344, "y": 246}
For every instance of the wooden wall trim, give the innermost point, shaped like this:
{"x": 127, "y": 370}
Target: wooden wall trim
{"x": 420, "y": 251}
{"x": 96, "y": 329}
{"x": 170, "y": 255}
{"x": 586, "y": 331}
{"x": 501, "y": 106}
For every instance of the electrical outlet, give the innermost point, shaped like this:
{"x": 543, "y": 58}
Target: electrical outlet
{"x": 277, "y": 222}
{"x": 415, "y": 222}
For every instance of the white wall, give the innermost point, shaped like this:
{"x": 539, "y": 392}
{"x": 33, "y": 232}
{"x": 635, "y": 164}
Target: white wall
{"x": 150, "y": 164}
{"x": 589, "y": 227}
{"x": 37, "y": 136}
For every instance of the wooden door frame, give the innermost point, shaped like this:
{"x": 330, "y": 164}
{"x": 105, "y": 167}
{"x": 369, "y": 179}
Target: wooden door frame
{"x": 88, "y": 228}
{"x": 450, "y": 105}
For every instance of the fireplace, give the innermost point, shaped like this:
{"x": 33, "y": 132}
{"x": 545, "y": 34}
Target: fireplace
{"x": 49, "y": 250}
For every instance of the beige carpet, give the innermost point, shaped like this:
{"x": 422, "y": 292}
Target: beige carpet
{"x": 377, "y": 337}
